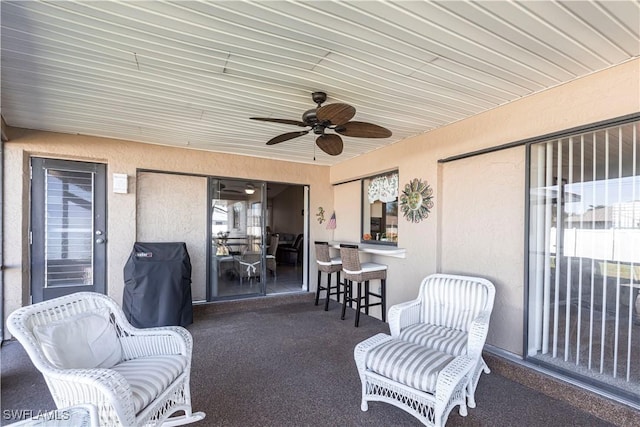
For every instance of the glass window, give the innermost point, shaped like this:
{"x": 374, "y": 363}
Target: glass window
{"x": 69, "y": 211}
{"x": 584, "y": 256}
{"x": 380, "y": 209}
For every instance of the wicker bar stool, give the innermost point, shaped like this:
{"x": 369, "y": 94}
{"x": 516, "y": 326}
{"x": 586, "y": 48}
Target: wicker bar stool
{"x": 354, "y": 271}
{"x": 327, "y": 265}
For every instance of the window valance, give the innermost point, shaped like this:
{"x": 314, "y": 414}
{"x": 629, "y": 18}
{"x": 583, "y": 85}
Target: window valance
{"x": 383, "y": 188}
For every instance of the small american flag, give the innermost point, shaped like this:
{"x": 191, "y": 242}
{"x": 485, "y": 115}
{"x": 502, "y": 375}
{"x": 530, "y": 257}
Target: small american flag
{"x": 331, "y": 225}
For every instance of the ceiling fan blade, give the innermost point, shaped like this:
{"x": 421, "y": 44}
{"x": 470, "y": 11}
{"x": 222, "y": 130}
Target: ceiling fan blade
{"x": 363, "y": 130}
{"x": 286, "y": 136}
{"x": 337, "y": 114}
{"x": 330, "y": 144}
{"x": 283, "y": 121}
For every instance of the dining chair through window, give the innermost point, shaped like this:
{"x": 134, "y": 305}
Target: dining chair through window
{"x": 292, "y": 254}
{"x": 271, "y": 253}
{"x": 355, "y": 271}
{"x": 248, "y": 266}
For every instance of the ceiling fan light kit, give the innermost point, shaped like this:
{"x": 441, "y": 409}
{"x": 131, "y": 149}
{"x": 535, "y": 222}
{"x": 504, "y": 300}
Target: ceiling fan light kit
{"x": 335, "y": 117}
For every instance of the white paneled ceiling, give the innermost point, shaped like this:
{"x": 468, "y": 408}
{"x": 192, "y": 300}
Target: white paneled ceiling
{"x": 190, "y": 73}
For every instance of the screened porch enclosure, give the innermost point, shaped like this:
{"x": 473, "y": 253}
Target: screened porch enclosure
{"x": 584, "y": 257}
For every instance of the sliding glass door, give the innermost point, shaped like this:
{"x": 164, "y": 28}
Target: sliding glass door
{"x": 257, "y": 238}
{"x": 238, "y": 249}
{"x": 584, "y": 259}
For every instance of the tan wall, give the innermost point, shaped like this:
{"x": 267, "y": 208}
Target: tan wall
{"x": 347, "y": 209}
{"x": 126, "y": 157}
{"x": 482, "y": 232}
{"x": 612, "y": 93}
{"x": 606, "y": 95}
{"x": 173, "y": 208}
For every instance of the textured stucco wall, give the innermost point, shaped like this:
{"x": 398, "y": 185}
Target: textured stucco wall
{"x": 127, "y": 157}
{"x": 488, "y": 189}
{"x": 173, "y": 208}
{"x": 612, "y": 93}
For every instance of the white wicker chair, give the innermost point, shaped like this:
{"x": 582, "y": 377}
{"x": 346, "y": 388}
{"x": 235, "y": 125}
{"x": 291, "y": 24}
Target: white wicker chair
{"x": 424, "y": 382}
{"x": 451, "y": 314}
{"x": 147, "y": 384}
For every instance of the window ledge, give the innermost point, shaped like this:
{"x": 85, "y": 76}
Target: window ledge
{"x": 383, "y": 250}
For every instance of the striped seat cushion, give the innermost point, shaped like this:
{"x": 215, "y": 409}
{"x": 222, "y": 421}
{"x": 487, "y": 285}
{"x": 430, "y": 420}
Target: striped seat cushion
{"x": 367, "y": 267}
{"x": 333, "y": 261}
{"x": 150, "y": 376}
{"x": 408, "y": 363}
{"x": 441, "y": 338}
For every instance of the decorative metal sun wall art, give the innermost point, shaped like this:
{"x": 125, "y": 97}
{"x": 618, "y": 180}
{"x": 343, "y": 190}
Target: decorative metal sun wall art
{"x": 416, "y": 200}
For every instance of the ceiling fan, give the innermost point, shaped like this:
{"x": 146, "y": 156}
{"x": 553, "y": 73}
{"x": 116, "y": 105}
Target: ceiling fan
{"x": 332, "y": 116}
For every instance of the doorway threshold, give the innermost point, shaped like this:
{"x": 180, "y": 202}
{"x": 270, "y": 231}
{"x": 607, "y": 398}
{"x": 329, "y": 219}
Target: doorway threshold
{"x": 252, "y": 303}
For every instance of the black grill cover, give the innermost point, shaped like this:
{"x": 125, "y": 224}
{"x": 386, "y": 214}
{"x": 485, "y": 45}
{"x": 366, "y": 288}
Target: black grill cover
{"x": 157, "y": 290}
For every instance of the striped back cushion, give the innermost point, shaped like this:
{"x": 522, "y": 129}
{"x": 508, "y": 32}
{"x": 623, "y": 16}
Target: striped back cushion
{"x": 452, "y": 301}
{"x": 407, "y": 363}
